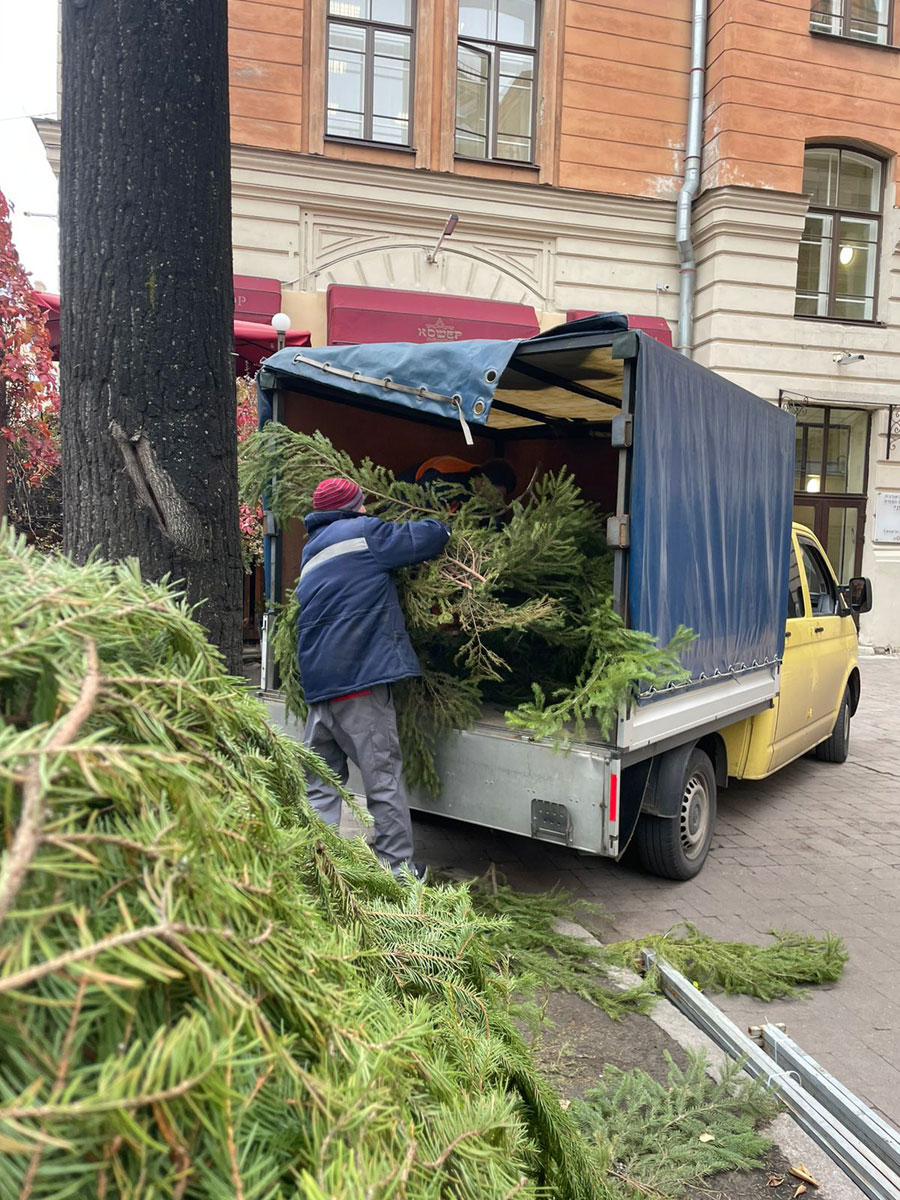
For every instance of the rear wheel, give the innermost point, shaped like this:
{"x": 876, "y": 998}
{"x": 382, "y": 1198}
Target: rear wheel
{"x": 676, "y": 847}
{"x": 836, "y": 747}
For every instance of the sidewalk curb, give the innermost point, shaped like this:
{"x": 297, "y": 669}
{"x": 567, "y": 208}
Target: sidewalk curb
{"x": 790, "y": 1139}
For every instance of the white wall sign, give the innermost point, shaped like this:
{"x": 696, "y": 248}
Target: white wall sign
{"x": 887, "y": 517}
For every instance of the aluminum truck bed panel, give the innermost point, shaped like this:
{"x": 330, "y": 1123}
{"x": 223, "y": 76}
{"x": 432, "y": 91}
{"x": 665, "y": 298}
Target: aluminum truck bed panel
{"x": 680, "y": 713}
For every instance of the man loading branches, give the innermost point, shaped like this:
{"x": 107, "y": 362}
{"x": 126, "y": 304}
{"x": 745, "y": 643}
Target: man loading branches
{"x": 352, "y": 645}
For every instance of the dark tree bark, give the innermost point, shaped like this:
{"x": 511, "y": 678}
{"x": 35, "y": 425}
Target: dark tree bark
{"x": 149, "y": 439}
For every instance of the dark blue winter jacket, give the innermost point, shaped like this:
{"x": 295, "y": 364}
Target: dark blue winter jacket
{"x": 351, "y": 634}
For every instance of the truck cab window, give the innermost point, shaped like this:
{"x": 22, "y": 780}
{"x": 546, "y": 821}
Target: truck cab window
{"x": 823, "y": 597}
{"x": 795, "y": 590}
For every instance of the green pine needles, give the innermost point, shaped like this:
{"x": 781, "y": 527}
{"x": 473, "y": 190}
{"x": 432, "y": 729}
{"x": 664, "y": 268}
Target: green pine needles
{"x": 659, "y": 1140}
{"x": 203, "y": 990}
{"x": 526, "y": 935}
{"x": 771, "y": 972}
{"x": 517, "y": 612}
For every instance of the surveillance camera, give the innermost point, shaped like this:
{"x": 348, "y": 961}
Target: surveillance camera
{"x": 662, "y": 287}
{"x": 844, "y": 360}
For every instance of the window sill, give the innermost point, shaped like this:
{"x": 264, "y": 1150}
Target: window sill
{"x": 367, "y": 145}
{"x": 515, "y": 163}
{"x": 842, "y": 321}
{"x": 851, "y": 41}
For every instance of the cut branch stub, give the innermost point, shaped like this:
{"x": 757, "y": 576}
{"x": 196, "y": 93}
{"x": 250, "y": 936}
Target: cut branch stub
{"x": 177, "y": 519}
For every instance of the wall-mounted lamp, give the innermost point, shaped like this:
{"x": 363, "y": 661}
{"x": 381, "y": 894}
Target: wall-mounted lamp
{"x": 431, "y": 255}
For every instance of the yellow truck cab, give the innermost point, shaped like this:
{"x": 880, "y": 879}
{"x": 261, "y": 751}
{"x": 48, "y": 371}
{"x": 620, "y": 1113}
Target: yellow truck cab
{"x": 819, "y": 688}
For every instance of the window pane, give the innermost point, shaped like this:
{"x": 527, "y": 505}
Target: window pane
{"x": 845, "y": 463}
{"x": 515, "y": 108}
{"x": 346, "y": 37}
{"x": 392, "y": 12}
{"x": 344, "y": 124}
{"x": 808, "y": 457}
{"x": 470, "y": 145}
{"x": 805, "y": 514}
{"x": 825, "y": 16}
{"x": 860, "y": 182}
{"x": 820, "y": 173}
{"x": 472, "y": 80}
{"x": 822, "y": 592}
{"x": 390, "y": 129}
{"x": 795, "y": 606}
{"x": 516, "y": 22}
{"x": 346, "y": 71}
{"x": 390, "y": 88}
{"x": 357, "y": 10}
{"x": 391, "y": 45}
{"x": 840, "y": 542}
{"x": 868, "y": 20}
{"x": 478, "y": 19}
{"x": 814, "y": 266}
{"x": 855, "y": 283}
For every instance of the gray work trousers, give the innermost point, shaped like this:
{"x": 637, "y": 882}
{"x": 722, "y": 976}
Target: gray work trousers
{"x": 363, "y": 730}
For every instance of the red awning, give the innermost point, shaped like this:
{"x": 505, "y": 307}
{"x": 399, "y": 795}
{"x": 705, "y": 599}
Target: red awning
{"x": 361, "y": 314}
{"x": 256, "y": 298}
{"x": 252, "y": 341}
{"x": 655, "y": 327}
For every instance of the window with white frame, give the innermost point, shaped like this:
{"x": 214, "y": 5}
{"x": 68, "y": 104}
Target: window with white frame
{"x": 838, "y": 262}
{"x": 370, "y": 68}
{"x": 496, "y": 72}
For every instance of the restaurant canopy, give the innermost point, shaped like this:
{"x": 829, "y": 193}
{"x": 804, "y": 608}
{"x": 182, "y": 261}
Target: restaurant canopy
{"x": 252, "y": 341}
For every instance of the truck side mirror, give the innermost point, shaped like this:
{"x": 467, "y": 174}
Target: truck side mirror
{"x": 859, "y": 594}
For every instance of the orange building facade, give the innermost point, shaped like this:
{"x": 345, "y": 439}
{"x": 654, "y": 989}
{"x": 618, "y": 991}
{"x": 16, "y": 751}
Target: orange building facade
{"x": 555, "y": 131}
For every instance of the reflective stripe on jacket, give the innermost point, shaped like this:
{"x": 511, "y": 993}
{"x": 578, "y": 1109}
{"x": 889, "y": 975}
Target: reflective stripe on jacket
{"x": 351, "y": 634}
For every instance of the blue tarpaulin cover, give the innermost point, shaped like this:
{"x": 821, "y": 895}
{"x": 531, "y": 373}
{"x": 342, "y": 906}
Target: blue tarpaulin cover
{"x": 711, "y": 483}
{"x": 468, "y": 369}
{"x": 711, "y": 499}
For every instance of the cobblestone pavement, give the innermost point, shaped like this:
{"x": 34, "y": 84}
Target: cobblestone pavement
{"x": 814, "y": 848}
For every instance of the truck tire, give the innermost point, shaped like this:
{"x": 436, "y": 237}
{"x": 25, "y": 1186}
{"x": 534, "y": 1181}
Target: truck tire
{"x": 836, "y": 747}
{"x": 676, "y": 847}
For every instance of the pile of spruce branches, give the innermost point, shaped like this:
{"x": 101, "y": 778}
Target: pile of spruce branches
{"x": 204, "y": 991}
{"x": 517, "y": 612}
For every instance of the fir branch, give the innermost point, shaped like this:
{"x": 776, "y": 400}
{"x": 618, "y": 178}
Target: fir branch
{"x": 34, "y": 787}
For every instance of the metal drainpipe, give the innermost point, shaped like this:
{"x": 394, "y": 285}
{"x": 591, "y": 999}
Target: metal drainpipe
{"x": 690, "y": 186}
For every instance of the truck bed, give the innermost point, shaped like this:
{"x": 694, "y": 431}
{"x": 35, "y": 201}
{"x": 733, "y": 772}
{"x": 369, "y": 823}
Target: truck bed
{"x": 500, "y": 778}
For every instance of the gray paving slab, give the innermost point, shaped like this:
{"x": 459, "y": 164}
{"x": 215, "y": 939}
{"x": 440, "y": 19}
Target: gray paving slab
{"x": 815, "y": 848}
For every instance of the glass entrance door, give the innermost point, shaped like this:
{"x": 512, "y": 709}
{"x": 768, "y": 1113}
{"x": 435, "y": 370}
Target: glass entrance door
{"x": 830, "y": 477}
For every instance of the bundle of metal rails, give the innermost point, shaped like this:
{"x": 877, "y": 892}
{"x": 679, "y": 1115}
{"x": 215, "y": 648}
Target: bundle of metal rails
{"x": 855, "y": 1137}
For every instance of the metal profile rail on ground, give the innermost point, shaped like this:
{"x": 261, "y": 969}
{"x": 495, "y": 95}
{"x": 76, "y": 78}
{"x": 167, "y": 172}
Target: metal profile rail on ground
{"x": 863, "y": 1164}
{"x": 871, "y": 1129}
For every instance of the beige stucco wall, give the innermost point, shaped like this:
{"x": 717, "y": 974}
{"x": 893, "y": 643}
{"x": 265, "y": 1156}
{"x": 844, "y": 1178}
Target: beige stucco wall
{"x": 314, "y": 222}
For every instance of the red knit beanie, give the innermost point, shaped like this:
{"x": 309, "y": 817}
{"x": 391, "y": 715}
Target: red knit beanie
{"x": 338, "y": 494}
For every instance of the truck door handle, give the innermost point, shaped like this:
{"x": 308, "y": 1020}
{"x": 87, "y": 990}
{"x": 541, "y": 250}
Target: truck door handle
{"x": 819, "y": 629}
{"x": 787, "y": 635}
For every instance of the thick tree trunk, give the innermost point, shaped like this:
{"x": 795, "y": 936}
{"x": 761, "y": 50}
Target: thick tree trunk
{"x": 149, "y": 441}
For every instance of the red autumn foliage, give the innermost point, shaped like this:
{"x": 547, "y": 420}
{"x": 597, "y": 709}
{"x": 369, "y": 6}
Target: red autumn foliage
{"x": 29, "y": 396}
{"x": 250, "y": 519}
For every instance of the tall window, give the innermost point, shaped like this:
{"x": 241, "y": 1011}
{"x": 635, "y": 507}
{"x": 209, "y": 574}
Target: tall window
{"x": 839, "y": 250}
{"x": 495, "y": 79}
{"x": 370, "y": 59}
{"x": 862, "y": 20}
